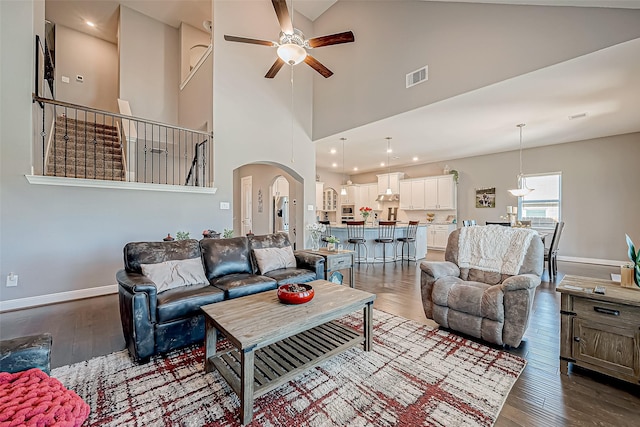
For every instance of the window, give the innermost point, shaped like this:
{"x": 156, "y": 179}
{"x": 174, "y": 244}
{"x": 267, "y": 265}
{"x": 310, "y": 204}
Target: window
{"x": 543, "y": 205}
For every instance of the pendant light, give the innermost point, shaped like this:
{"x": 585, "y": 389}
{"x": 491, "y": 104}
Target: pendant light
{"x": 522, "y": 189}
{"x": 388, "y": 192}
{"x": 343, "y": 191}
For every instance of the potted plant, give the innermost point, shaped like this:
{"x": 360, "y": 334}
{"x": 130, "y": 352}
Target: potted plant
{"x": 332, "y": 241}
{"x": 635, "y": 259}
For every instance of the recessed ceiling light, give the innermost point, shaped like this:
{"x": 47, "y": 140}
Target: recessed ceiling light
{"x": 381, "y": 163}
{"x": 389, "y": 150}
{"x": 355, "y": 169}
{"x": 333, "y": 151}
{"x": 335, "y": 165}
{"x": 415, "y": 159}
{"x": 91, "y": 24}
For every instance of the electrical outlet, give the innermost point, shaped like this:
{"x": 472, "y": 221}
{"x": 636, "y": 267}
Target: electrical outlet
{"x": 12, "y": 280}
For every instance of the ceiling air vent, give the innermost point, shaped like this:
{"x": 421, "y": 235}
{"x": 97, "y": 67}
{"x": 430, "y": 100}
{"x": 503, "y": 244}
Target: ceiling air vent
{"x": 418, "y": 76}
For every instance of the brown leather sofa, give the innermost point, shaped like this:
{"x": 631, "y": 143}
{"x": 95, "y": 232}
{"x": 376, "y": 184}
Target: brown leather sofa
{"x": 155, "y": 322}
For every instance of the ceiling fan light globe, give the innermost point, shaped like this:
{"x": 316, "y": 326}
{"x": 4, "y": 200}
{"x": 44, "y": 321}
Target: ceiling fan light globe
{"x": 291, "y": 54}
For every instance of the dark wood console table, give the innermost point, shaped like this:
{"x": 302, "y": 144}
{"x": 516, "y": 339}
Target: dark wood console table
{"x": 600, "y": 332}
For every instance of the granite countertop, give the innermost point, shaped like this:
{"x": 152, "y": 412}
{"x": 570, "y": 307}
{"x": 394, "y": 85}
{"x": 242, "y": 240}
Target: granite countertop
{"x": 375, "y": 226}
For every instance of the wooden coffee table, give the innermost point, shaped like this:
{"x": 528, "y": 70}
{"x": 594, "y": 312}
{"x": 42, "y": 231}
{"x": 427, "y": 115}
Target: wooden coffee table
{"x": 275, "y": 342}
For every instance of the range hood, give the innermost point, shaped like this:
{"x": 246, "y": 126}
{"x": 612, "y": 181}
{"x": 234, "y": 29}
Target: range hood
{"x": 388, "y": 198}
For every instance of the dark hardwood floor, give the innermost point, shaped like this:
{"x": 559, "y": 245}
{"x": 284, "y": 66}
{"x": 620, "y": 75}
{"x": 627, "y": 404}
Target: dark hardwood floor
{"x": 541, "y": 396}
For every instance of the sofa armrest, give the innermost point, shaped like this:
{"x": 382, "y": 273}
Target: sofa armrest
{"x": 438, "y": 269}
{"x": 138, "y": 301}
{"x": 522, "y": 281}
{"x": 311, "y": 262}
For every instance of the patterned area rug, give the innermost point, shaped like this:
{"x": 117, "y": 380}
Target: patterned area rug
{"x": 415, "y": 376}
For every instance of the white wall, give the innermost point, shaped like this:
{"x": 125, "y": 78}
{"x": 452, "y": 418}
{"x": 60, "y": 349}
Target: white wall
{"x": 467, "y": 46}
{"x": 195, "y": 101}
{"x": 189, "y": 37}
{"x": 96, "y": 60}
{"x": 599, "y": 190}
{"x": 252, "y": 115}
{"x": 149, "y": 66}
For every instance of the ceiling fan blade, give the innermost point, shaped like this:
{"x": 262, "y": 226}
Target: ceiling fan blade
{"x": 251, "y": 41}
{"x": 346, "y": 37}
{"x": 274, "y": 69}
{"x": 282, "y": 13}
{"x": 316, "y": 65}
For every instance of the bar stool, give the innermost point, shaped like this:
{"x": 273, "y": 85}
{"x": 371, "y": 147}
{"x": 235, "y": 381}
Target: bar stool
{"x": 326, "y": 233}
{"x": 468, "y": 222}
{"x": 409, "y": 239}
{"x": 355, "y": 237}
{"x": 386, "y": 236}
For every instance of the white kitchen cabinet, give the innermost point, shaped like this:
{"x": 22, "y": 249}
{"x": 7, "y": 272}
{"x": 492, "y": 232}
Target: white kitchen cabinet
{"x": 438, "y": 235}
{"x": 351, "y": 196}
{"x": 330, "y": 200}
{"x": 319, "y": 195}
{"x": 439, "y": 192}
{"x": 367, "y": 195}
{"x": 390, "y": 180}
{"x": 412, "y": 194}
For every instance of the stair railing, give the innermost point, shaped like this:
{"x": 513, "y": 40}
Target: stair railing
{"x": 85, "y": 144}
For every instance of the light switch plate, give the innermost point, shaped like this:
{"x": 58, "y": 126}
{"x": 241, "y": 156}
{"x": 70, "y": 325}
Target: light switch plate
{"x": 225, "y": 205}
{"x": 309, "y": 207}
{"x": 65, "y": 79}
{"x": 12, "y": 280}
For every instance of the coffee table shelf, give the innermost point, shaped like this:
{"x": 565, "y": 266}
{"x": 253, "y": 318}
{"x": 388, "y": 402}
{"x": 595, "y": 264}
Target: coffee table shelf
{"x": 279, "y": 362}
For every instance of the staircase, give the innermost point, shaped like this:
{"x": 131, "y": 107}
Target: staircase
{"x": 81, "y": 149}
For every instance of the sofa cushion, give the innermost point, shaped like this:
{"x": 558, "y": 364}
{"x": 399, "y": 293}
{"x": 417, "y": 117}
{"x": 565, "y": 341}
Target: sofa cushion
{"x": 136, "y": 253}
{"x": 285, "y": 276}
{"x": 186, "y": 301}
{"x": 226, "y": 256}
{"x": 239, "y": 285}
{"x": 175, "y": 273}
{"x": 270, "y": 259}
{"x": 474, "y": 298}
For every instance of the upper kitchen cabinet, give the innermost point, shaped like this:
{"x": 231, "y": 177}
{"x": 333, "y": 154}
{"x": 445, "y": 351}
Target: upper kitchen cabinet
{"x": 319, "y": 195}
{"x": 351, "y": 196}
{"x": 412, "y": 194}
{"x": 439, "y": 192}
{"x": 389, "y": 180}
{"x": 367, "y": 196}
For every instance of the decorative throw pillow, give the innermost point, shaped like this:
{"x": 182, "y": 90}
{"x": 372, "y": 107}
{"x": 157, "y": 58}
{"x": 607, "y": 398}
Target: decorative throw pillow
{"x": 270, "y": 259}
{"x": 173, "y": 274}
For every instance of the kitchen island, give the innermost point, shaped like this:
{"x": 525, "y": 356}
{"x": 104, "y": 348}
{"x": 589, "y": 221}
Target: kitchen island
{"x": 371, "y": 233}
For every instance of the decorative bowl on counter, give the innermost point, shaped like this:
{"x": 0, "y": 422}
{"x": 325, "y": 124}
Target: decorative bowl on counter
{"x": 295, "y": 293}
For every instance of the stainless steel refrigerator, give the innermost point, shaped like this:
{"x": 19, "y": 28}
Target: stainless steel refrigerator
{"x": 280, "y": 214}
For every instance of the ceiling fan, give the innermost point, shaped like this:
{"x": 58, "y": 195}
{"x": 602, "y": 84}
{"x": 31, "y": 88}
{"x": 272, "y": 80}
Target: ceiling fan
{"x": 292, "y": 46}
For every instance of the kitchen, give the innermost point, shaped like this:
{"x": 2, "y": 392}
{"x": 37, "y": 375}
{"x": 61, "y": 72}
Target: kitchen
{"x": 394, "y": 197}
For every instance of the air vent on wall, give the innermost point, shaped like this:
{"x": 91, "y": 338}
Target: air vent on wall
{"x": 418, "y": 76}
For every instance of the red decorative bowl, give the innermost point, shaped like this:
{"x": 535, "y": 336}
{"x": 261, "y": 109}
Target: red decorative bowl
{"x": 295, "y": 293}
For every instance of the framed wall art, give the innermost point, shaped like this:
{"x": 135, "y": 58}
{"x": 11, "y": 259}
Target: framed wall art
{"x": 486, "y": 197}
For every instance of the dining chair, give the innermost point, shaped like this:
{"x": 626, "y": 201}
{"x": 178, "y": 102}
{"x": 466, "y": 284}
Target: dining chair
{"x": 408, "y": 240}
{"x": 468, "y": 222}
{"x": 386, "y": 236}
{"x": 551, "y": 253}
{"x": 506, "y": 224}
{"x": 355, "y": 237}
{"x": 326, "y": 233}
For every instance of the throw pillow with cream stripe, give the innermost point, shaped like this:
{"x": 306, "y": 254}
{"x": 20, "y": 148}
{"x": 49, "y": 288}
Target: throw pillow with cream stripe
{"x": 270, "y": 259}
{"x": 173, "y": 274}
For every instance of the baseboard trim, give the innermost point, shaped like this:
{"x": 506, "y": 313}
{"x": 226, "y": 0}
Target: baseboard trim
{"x": 592, "y": 261}
{"x": 20, "y": 303}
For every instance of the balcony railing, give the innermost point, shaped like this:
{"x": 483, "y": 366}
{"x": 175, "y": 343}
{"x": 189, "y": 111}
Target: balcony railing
{"x": 81, "y": 142}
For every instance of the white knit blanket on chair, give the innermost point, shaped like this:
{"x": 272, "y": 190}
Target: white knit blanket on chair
{"x": 493, "y": 248}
